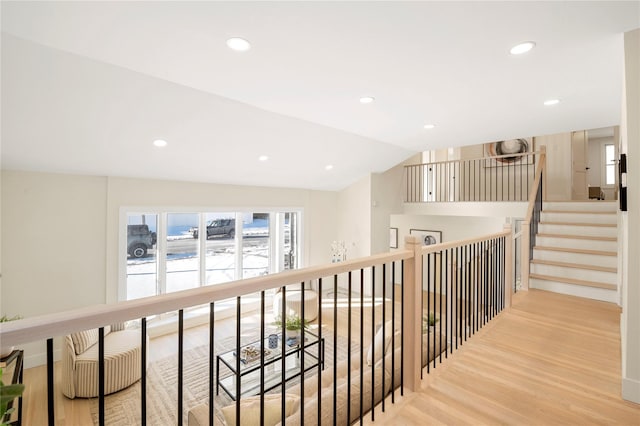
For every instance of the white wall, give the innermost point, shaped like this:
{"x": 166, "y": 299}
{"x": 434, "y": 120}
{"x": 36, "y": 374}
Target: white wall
{"x": 354, "y": 218}
{"x": 453, "y": 227}
{"x": 630, "y": 222}
{"x": 60, "y": 232}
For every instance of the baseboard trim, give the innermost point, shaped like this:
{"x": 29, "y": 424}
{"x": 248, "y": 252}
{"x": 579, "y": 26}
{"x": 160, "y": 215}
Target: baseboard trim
{"x": 631, "y": 390}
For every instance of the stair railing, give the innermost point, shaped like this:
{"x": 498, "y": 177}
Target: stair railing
{"x": 531, "y": 220}
{"x": 500, "y": 178}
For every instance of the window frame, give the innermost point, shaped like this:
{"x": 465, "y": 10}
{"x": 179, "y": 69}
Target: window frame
{"x": 603, "y": 179}
{"x": 162, "y": 212}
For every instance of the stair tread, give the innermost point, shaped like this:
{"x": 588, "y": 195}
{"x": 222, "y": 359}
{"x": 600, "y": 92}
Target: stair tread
{"x": 574, "y": 265}
{"x": 575, "y": 250}
{"x": 579, "y": 237}
{"x": 574, "y": 281}
{"x": 608, "y": 225}
{"x": 578, "y": 212}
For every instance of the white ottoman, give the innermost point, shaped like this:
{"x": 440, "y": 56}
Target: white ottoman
{"x": 294, "y": 304}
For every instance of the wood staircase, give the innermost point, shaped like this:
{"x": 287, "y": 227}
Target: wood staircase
{"x": 576, "y": 250}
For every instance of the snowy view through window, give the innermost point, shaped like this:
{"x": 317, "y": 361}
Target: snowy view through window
{"x": 180, "y": 236}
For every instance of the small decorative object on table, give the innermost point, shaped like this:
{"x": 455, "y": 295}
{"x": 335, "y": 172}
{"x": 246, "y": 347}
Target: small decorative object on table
{"x": 251, "y": 353}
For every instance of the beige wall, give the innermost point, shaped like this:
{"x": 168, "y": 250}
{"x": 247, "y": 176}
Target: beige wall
{"x": 59, "y": 234}
{"x": 354, "y": 218}
{"x": 558, "y": 165}
{"x": 630, "y": 222}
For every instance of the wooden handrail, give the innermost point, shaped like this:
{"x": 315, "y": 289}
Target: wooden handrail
{"x": 478, "y": 158}
{"x": 57, "y": 324}
{"x": 536, "y": 183}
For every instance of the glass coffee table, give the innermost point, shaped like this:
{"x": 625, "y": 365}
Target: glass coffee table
{"x": 250, "y": 366}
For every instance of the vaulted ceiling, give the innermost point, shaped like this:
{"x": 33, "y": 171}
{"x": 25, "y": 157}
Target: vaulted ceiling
{"x": 88, "y": 86}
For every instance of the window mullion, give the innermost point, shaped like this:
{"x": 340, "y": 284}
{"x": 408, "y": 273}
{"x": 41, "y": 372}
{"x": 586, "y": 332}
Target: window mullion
{"x": 161, "y": 254}
{"x": 238, "y": 245}
{"x": 202, "y": 244}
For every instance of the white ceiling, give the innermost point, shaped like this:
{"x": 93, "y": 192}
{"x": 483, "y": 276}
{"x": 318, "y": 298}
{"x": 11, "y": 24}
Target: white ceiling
{"x": 86, "y": 86}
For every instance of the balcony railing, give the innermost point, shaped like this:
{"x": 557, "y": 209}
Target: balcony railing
{"x": 499, "y": 178}
{"x": 377, "y": 302}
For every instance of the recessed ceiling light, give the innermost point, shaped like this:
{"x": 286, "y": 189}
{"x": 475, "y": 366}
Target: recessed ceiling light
{"x": 550, "y": 102}
{"x": 367, "y": 99}
{"x": 160, "y": 143}
{"x": 263, "y": 158}
{"x": 429, "y": 126}
{"x": 521, "y": 48}
{"x": 328, "y": 167}
{"x": 238, "y": 44}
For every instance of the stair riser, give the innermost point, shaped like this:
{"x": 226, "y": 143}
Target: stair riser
{"x": 586, "y": 259}
{"x": 583, "y": 207}
{"x": 575, "y": 290}
{"x": 591, "y": 231}
{"x": 610, "y": 219}
{"x": 577, "y": 244}
{"x": 575, "y": 273}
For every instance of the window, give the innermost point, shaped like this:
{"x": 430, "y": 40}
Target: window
{"x": 173, "y": 251}
{"x": 610, "y": 164}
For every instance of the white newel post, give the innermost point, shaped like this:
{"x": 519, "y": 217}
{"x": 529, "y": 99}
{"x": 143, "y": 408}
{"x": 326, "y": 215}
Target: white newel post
{"x": 412, "y": 314}
{"x": 508, "y": 265}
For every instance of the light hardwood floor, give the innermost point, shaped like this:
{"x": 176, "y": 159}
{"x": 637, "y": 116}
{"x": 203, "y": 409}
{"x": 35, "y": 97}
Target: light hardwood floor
{"x": 549, "y": 360}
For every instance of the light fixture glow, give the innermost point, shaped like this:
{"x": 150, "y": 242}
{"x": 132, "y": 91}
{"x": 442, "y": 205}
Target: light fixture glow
{"x": 160, "y": 143}
{"x": 263, "y": 158}
{"x": 521, "y": 48}
{"x": 429, "y": 126}
{"x": 550, "y": 102}
{"x": 328, "y": 167}
{"x": 367, "y": 99}
{"x": 238, "y": 44}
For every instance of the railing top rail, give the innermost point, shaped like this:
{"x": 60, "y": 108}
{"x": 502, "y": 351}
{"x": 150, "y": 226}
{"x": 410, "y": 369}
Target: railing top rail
{"x": 534, "y": 188}
{"x": 459, "y": 243}
{"x": 62, "y": 323}
{"x": 476, "y": 159}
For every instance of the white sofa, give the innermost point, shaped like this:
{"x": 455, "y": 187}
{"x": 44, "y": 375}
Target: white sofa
{"x": 122, "y": 361}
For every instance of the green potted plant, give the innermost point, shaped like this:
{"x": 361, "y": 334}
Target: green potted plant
{"x": 293, "y": 325}
{"x": 7, "y": 394}
{"x": 428, "y": 321}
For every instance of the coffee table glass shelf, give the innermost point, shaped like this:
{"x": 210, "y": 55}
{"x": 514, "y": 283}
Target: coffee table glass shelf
{"x": 250, "y": 364}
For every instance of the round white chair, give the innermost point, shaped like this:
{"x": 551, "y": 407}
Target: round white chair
{"x": 294, "y": 304}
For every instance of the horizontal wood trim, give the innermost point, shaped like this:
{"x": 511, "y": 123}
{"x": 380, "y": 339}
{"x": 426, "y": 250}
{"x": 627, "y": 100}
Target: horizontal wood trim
{"x": 606, "y": 225}
{"x": 579, "y": 251}
{"x": 574, "y": 281}
{"x": 459, "y": 243}
{"x": 61, "y": 323}
{"x": 578, "y": 237}
{"x": 574, "y": 265}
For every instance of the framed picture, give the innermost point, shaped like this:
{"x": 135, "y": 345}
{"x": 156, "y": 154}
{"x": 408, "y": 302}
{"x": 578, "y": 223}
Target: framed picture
{"x": 393, "y": 237}
{"x": 509, "y": 147}
{"x": 427, "y": 237}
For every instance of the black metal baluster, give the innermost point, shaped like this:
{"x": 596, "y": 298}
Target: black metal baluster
{"x": 301, "y": 345}
{"x": 361, "y": 343}
{"x": 435, "y": 273}
{"x": 421, "y": 281}
{"x": 283, "y": 360}
{"x": 384, "y": 324}
{"x": 320, "y": 351}
{"x": 335, "y": 349}
{"x": 402, "y": 327}
{"x": 143, "y": 369}
{"x": 238, "y": 355}
{"x": 349, "y": 352}
{"x": 393, "y": 335}
{"x": 446, "y": 302}
{"x": 484, "y": 182}
{"x": 373, "y": 335}
{"x": 212, "y": 321}
{"x": 50, "y": 395}
{"x": 455, "y": 293}
{"x": 181, "y": 364}
{"x": 428, "y": 316}
{"x": 440, "y": 301}
{"x": 101, "y": 376}
{"x": 262, "y": 320}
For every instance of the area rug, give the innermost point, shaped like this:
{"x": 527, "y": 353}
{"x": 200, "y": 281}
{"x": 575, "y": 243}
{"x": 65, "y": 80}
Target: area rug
{"x": 123, "y": 408}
